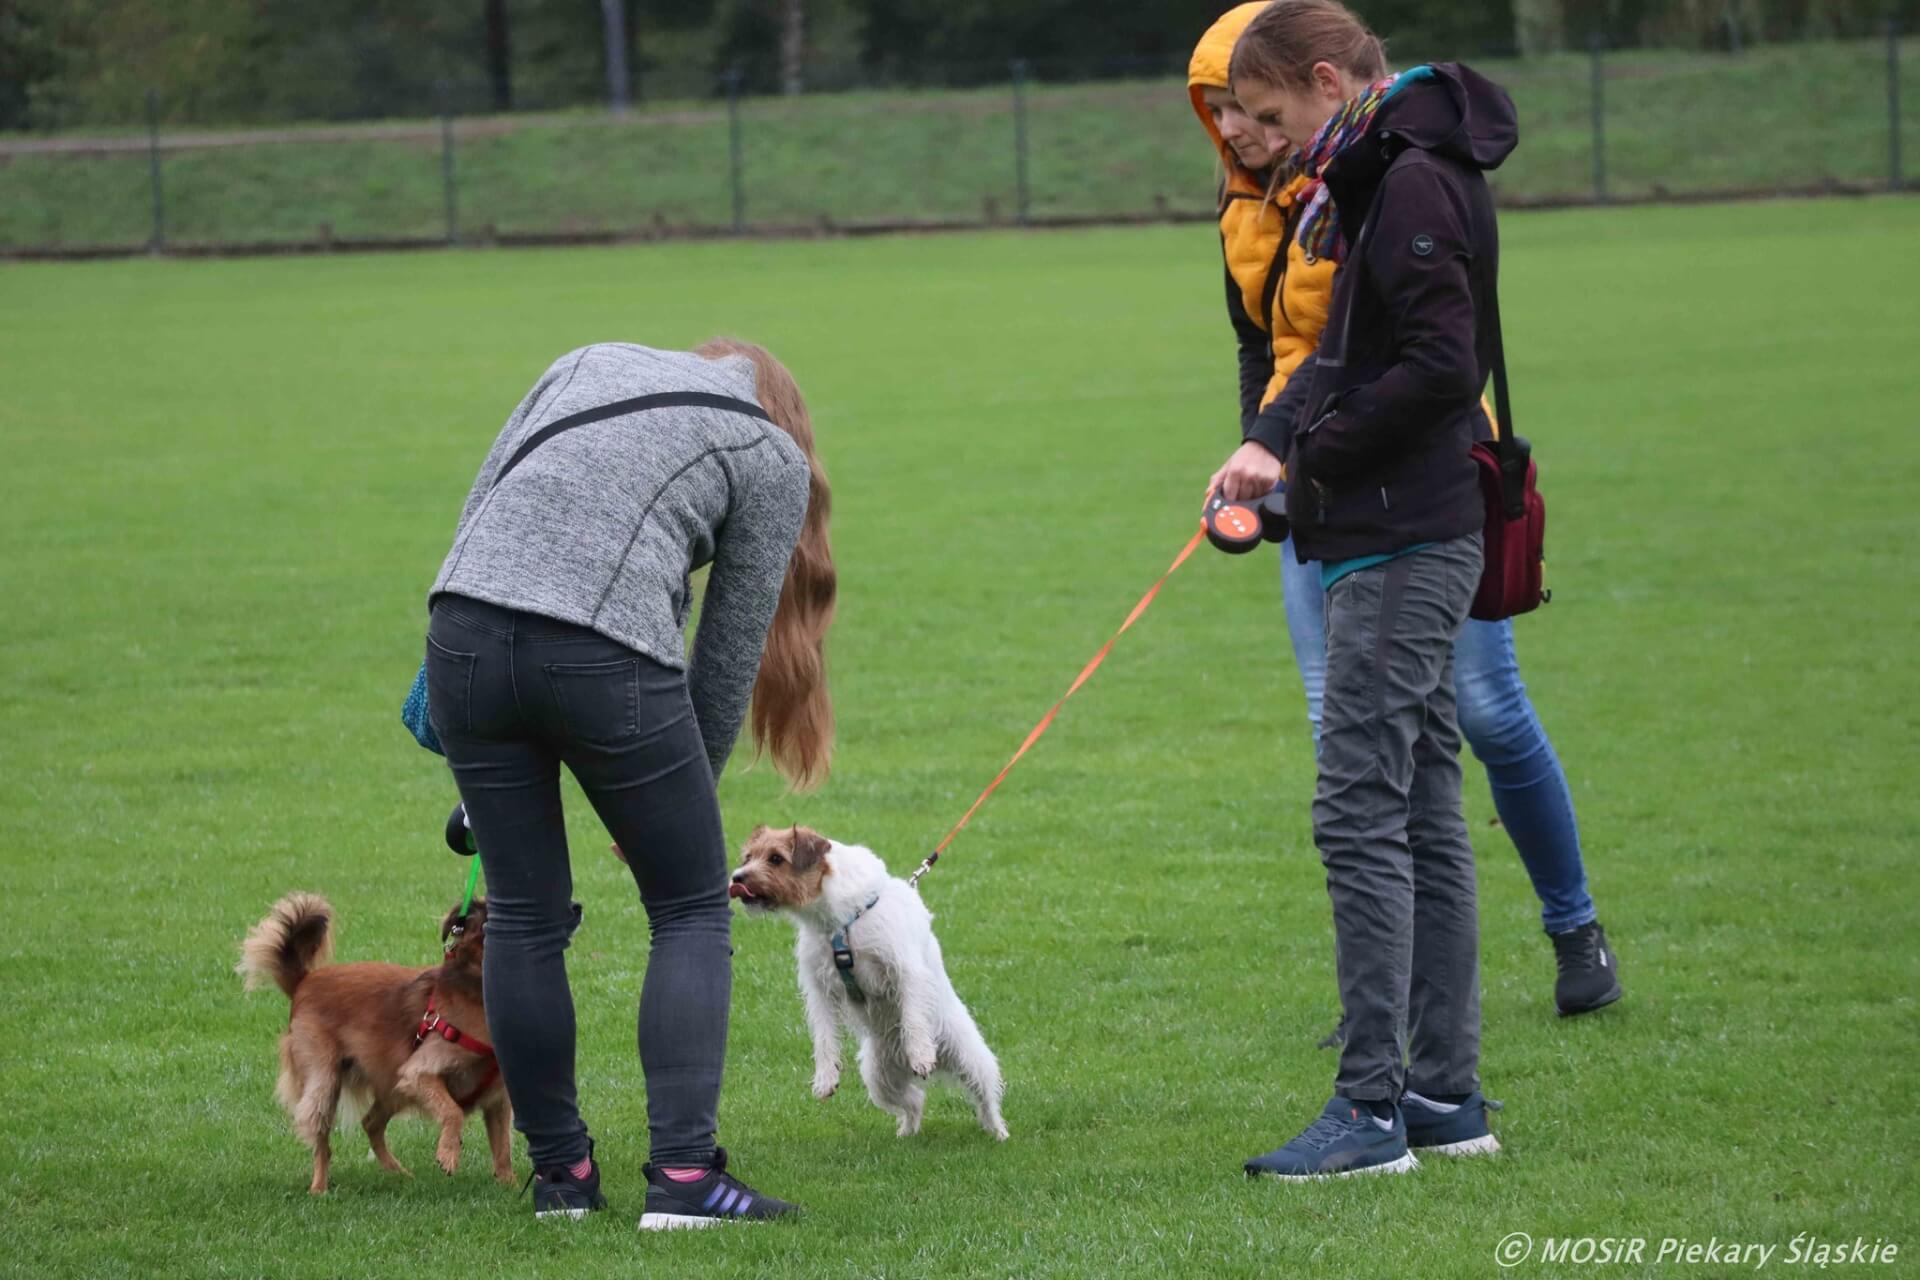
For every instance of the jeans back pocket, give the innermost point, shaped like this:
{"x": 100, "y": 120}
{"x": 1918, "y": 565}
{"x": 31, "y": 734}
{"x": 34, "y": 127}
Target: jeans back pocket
{"x": 449, "y": 689}
{"x": 598, "y": 701}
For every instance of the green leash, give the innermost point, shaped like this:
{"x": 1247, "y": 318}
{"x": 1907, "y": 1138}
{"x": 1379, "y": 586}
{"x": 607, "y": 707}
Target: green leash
{"x": 473, "y": 878}
{"x": 466, "y": 905}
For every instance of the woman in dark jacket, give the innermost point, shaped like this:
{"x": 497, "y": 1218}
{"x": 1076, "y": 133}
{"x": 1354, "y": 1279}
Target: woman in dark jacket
{"x": 1382, "y": 491}
{"x": 556, "y": 638}
{"x": 1278, "y": 295}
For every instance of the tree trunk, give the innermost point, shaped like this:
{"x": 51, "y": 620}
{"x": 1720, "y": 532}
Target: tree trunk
{"x": 499, "y": 64}
{"x": 793, "y": 45}
{"x": 1539, "y": 26}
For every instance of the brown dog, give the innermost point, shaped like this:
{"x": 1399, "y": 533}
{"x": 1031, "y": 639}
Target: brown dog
{"x": 366, "y": 1030}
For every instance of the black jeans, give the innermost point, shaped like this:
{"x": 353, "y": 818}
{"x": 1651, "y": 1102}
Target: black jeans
{"x": 513, "y": 696}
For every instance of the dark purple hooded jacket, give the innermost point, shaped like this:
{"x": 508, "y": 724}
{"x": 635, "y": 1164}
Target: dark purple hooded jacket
{"x": 1384, "y": 414}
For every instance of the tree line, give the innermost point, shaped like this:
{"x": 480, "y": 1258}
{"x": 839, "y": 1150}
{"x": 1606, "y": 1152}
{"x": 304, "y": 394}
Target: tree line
{"x": 73, "y": 62}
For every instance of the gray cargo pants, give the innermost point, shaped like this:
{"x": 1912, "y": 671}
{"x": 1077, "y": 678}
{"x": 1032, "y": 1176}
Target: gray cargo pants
{"x": 1386, "y": 817}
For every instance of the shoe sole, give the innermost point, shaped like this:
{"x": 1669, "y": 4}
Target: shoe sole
{"x": 571, "y": 1214}
{"x": 1484, "y": 1145}
{"x": 1405, "y": 1164}
{"x": 1610, "y": 998}
{"x": 685, "y": 1221}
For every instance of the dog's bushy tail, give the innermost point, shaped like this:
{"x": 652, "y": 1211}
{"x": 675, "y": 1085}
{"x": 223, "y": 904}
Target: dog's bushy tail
{"x": 294, "y": 939}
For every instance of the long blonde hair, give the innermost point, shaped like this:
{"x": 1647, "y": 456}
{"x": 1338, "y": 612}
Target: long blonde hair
{"x": 792, "y": 716}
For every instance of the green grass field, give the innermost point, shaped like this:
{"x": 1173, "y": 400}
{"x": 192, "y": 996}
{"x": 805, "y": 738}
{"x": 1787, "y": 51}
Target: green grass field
{"x": 230, "y": 483}
{"x": 1788, "y": 117}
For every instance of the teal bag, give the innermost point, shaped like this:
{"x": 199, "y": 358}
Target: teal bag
{"x": 413, "y": 714}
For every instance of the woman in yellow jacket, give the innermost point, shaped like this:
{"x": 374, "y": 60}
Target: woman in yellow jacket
{"x": 1277, "y": 298}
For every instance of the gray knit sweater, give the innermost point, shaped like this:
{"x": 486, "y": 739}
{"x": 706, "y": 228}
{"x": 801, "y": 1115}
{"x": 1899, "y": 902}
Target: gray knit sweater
{"x": 603, "y": 525}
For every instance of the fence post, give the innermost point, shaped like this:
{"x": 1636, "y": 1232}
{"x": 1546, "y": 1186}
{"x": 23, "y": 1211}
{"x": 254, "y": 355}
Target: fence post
{"x": 1599, "y": 123}
{"x": 736, "y": 160}
{"x": 1895, "y": 179}
{"x": 157, "y": 241}
{"x": 449, "y": 190}
{"x": 1022, "y": 195}
{"x": 613, "y": 25}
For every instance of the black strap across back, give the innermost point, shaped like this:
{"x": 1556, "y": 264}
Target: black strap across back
{"x": 619, "y": 409}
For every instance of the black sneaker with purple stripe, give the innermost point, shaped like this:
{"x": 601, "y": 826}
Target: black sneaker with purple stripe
{"x": 719, "y": 1197}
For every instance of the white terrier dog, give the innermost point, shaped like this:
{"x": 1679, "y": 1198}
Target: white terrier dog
{"x": 869, "y": 962}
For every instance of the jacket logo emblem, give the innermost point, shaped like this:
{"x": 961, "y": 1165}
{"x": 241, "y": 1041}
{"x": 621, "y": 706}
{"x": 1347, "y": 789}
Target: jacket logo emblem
{"x": 1422, "y": 246}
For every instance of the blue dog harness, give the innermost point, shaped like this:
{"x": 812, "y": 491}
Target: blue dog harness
{"x": 843, "y": 953}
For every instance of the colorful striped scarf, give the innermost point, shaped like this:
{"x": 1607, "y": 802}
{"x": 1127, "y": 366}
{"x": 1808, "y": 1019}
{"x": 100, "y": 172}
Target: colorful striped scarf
{"x": 1320, "y": 234}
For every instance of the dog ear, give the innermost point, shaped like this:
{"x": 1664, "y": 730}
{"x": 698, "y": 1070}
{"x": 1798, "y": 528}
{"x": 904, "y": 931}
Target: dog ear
{"x": 809, "y": 847}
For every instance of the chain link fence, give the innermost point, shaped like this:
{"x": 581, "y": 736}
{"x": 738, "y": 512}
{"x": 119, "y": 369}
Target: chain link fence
{"x": 1027, "y": 143}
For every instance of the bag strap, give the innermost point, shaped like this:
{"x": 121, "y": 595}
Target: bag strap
{"x": 619, "y": 409}
{"x": 1502, "y": 401}
{"x": 1513, "y": 460}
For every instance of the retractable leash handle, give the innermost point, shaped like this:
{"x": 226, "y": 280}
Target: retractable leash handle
{"x": 1237, "y": 527}
{"x": 460, "y": 832}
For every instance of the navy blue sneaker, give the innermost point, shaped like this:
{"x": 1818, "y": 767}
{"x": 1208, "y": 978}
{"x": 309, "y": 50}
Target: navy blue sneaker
{"x": 1445, "y": 1129}
{"x": 719, "y": 1197}
{"x": 1345, "y": 1140}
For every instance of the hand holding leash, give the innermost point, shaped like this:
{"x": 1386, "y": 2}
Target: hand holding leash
{"x": 1250, "y": 472}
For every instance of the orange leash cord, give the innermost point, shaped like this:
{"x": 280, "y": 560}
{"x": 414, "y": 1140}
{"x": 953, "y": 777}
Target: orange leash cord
{"x": 1046, "y": 721}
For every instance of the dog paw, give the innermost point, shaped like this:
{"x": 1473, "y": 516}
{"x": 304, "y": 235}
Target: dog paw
{"x": 447, "y": 1156}
{"x": 998, "y": 1130}
{"x": 504, "y": 1174}
{"x": 907, "y": 1128}
{"x": 921, "y": 1064}
{"x": 825, "y": 1087}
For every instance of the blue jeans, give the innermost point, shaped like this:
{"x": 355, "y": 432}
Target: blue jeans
{"x": 1529, "y": 788}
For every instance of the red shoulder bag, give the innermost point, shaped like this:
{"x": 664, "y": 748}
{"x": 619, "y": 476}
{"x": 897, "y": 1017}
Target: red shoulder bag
{"x": 1513, "y": 576}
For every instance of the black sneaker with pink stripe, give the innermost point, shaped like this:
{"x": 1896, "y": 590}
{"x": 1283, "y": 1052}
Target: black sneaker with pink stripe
{"x": 705, "y": 1202}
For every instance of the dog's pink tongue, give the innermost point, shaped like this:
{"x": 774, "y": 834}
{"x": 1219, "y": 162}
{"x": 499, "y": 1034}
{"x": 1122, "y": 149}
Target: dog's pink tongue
{"x": 738, "y": 890}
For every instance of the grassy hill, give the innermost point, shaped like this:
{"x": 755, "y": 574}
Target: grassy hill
{"x": 1779, "y": 118}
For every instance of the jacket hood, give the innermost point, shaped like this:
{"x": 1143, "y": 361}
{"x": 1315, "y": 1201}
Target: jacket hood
{"x": 1208, "y": 70}
{"x": 1454, "y": 112}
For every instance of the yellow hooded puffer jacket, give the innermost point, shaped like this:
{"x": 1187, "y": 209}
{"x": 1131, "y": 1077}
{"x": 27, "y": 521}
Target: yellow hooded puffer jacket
{"x": 1288, "y": 301}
